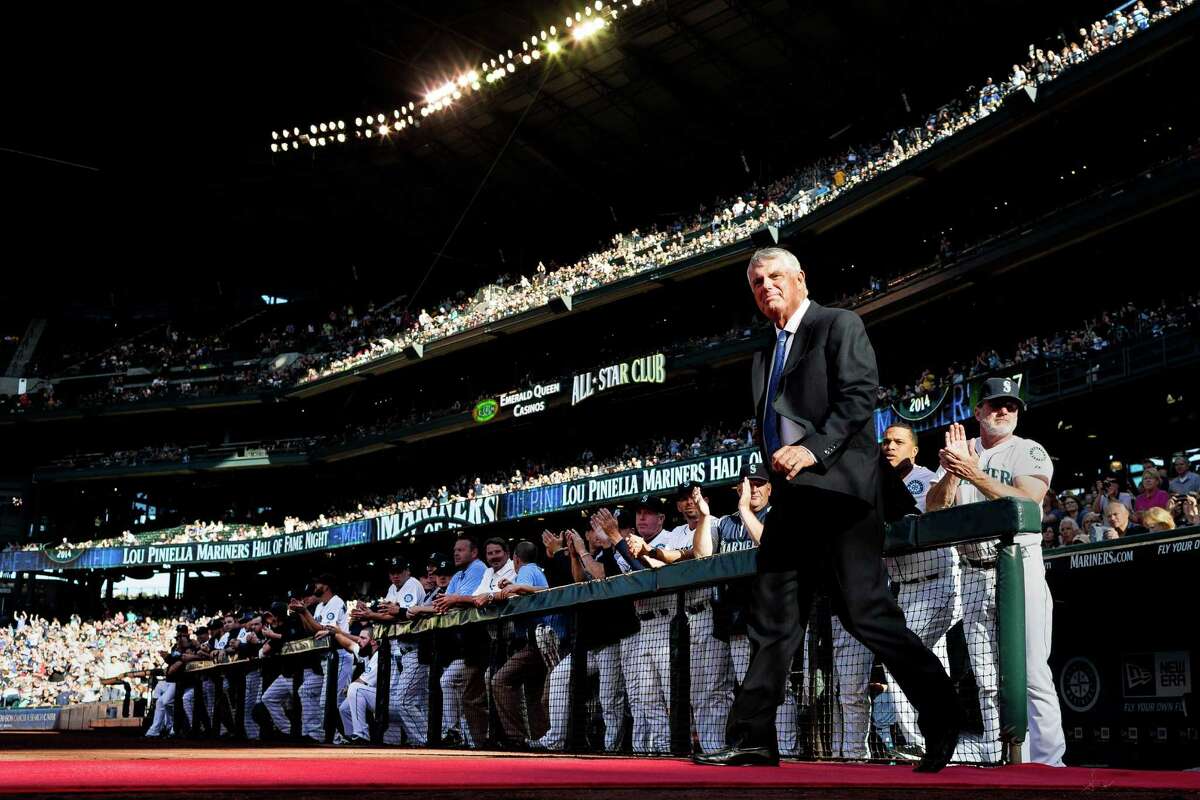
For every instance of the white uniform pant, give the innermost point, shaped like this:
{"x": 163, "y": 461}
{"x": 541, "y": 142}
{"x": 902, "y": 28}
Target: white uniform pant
{"x": 929, "y": 608}
{"x": 786, "y": 732}
{"x": 277, "y": 699}
{"x": 454, "y": 685}
{"x": 711, "y": 684}
{"x": 605, "y": 663}
{"x": 1045, "y": 743}
{"x": 253, "y": 695}
{"x": 360, "y": 698}
{"x": 979, "y": 629}
{"x": 164, "y": 708}
{"x": 312, "y": 704}
{"x": 649, "y": 661}
{"x": 409, "y": 699}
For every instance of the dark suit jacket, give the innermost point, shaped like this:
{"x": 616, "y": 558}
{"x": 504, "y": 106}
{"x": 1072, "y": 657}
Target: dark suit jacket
{"x": 828, "y": 389}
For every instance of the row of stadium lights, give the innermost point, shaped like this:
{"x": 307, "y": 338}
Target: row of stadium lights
{"x": 582, "y": 26}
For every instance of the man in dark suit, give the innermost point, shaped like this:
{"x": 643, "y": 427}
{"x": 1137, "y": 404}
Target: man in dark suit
{"x": 815, "y": 396}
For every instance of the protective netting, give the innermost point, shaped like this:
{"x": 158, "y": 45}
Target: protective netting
{"x": 650, "y": 675}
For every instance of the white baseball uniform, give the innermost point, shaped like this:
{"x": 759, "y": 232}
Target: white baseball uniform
{"x": 408, "y": 700}
{"x": 1015, "y": 457}
{"x": 313, "y": 684}
{"x": 360, "y": 698}
{"x": 649, "y": 659}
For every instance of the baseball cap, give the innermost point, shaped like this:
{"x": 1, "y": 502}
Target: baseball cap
{"x": 279, "y": 609}
{"x": 398, "y": 565}
{"x": 754, "y": 471}
{"x": 650, "y": 503}
{"x": 685, "y": 489}
{"x": 435, "y": 558}
{"x": 246, "y": 617}
{"x": 326, "y": 578}
{"x": 997, "y": 388}
{"x": 443, "y": 567}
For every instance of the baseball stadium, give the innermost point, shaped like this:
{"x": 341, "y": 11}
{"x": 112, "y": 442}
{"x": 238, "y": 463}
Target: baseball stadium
{"x": 650, "y": 399}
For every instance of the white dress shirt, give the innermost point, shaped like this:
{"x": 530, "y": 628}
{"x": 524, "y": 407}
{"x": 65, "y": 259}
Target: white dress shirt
{"x": 789, "y": 431}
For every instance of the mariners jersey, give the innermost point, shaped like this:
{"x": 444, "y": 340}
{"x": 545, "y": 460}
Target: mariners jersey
{"x": 678, "y": 538}
{"x": 333, "y": 613}
{"x": 406, "y": 596}
{"x": 1014, "y": 458}
{"x": 926, "y": 563}
{"x": 369, "y": 665}
{"x": 731, "y": 534}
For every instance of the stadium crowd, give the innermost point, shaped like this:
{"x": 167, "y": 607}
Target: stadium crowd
{"x": 346, "y": 340}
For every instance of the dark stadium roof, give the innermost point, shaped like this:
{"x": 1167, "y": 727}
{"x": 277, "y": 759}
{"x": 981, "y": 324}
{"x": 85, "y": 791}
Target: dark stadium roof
{"x": 165, "y": 122}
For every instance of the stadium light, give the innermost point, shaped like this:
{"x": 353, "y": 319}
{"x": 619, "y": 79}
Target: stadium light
{"x": 592, "y": 16}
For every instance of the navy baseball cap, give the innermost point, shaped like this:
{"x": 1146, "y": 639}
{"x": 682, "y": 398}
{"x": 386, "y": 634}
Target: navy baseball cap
{"x": 279, "y": 609}
{"x": 685, "y": 489}
{"x": 443, "y": 567}
{"x": 650, "y": 503}
{"x": 1001, "y": 388}
{"x": 754, "y": 471}
{"x": 398, "y": 565}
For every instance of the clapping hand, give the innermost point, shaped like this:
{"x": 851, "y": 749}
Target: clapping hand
{"x": 575, "y": 542}
{"x": 606, "y": 523}
{"x": 553, "y": 543}
{"x": 958, "y": 457}
{"x": 743, "y": 493}
{"x": 701, "y": 502}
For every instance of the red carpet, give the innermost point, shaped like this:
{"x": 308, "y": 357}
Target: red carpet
{"x": 365, "y": 770}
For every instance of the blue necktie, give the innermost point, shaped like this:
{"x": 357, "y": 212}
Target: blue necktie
{"x": 771, "y": 435}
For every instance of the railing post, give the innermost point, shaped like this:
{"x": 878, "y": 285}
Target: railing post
{"x": 383, "y": 690}
{"x": 681, "y": 687}
{"x": 433, "y": 730}
{"x": 332, "y": 715}
{"x": 1012, "y": 701}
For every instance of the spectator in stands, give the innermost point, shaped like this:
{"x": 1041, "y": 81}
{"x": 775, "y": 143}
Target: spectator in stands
{"x": 1110, "y": 490}
{"x": 1117, "y": 517}
{"x": 1151, "y": 496}
{"x": 1185, "y": 508}
{"x": 1072, "y": 509}
{"x": 1069, "y": 532}
{"x": 1184, "y": 481}
{"x": 1049, "y": 535}
{"x": 1158, "y": 519}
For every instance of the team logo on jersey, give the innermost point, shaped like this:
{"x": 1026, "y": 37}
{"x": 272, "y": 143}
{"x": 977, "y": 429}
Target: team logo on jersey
{"x": 330, "y": 615}
{"x": 914, "y": 487}
{"x": 1037, "y": 454}
{"x": 408, "y": 598}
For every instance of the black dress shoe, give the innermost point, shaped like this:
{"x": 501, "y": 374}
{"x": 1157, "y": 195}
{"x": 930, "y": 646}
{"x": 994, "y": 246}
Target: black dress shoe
{"x": 939, "y": 748}
{"x": 739, "y": 757}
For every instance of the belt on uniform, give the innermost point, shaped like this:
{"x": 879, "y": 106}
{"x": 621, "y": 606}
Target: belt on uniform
{"x": 698, "y": 607}
{"x": 979, "y": 563}
{"x": 646, "y": 616}
{"x": 921, "y": 578}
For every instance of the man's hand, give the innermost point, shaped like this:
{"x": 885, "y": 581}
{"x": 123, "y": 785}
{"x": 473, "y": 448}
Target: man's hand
{"x": 321, "y": 634}
{"x": 791, "y": 459}
{"x": 958, "y": 457}
{"x": 743, "y": 492}
{"x": 295, "y": 604}
{"x": 503, "y": 583}
{"x": 575, "y": 542}
{"x": 701, "y": 503}
{"x": 442, "y": 604}
{"x": 607, "y": 524}
{"x": 637, "y": 545}
{"x": 553, "y": 543}
{"x": 481, "y": 600}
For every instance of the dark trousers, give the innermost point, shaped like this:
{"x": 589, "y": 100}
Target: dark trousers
{"x": 521, "y": 691}
{"x": 813, "y": 538}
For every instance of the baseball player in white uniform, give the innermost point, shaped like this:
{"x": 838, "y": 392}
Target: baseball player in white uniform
{"x": 1000, "y": 464}
{"x": 360, "y": 692}
{"x": 409, "y": 690}
{"x": 928, "y": 596}
{"x": 646, "y": 655}
{"x": 711, "y": 686}
{"x": 330, "y": 615}
{"x": 743, "y": 531}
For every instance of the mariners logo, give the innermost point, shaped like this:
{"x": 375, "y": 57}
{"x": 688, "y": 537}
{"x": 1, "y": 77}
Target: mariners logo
{"x": 329, "y": 615}
{"x": 408, "y": 598}
{"x": 1037, "y": 454}
{"x": 1079, "y": 685}
{"x": 914, "y": 487}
